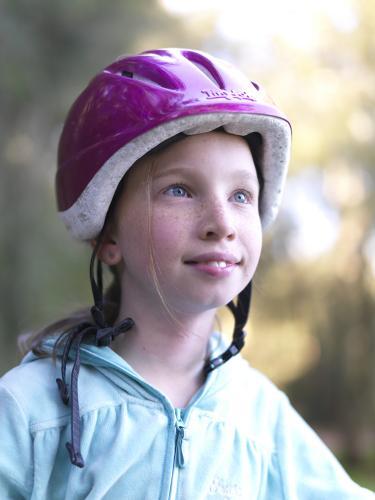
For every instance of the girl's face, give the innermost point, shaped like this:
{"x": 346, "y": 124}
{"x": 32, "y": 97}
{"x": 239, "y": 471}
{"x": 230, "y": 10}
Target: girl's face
{"x": 190, "y": 213}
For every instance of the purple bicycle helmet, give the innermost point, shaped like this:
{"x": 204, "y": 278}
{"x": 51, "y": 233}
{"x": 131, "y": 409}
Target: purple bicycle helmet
{"x": 127, "y": 110}
{"x": 140, "y": 101}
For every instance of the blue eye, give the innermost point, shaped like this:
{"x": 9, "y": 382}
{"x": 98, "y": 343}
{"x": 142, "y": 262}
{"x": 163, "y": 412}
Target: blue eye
{"x": 241, "y": 197}
{"x": 177, "y": 191}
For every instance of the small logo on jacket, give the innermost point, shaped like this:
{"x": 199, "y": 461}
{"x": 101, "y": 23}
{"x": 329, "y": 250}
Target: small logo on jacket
{"x": 221, "y": 489}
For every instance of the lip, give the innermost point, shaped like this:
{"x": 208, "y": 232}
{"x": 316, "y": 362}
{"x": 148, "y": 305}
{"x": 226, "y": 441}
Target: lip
{"x": 226, "y": 257}
{"x": 201, "y": 264}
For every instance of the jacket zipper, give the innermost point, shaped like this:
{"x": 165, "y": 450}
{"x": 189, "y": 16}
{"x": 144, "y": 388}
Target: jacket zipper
{"x": 179, "y": 461}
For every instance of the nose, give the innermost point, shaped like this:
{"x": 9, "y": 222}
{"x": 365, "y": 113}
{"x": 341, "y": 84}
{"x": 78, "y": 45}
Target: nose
{"x": 217, "y": 222}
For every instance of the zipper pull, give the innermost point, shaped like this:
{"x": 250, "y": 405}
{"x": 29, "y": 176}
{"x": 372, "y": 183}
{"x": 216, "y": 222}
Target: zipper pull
{"x": 180, "y": 437}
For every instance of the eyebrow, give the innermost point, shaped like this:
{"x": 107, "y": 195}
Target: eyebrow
{"x": 241, "y": 173}
{"x": 247, "y": 173}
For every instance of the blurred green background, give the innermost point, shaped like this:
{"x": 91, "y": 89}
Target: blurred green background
{"x": 312, "y": 327}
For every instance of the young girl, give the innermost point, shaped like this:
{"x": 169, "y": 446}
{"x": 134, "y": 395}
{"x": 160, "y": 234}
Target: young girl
{"x": 171, "y": 163}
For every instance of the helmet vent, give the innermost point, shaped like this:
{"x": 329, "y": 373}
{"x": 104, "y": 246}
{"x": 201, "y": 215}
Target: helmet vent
{"x": 206, "y": 72}
{"x": 206, "y": 67}
{"x": 152, "y": 77}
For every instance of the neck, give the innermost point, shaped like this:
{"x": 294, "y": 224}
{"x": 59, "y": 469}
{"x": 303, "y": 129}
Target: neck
{"x": 168, "y": 352}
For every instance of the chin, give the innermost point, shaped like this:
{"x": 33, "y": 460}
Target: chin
{"x": 204, "y": 304}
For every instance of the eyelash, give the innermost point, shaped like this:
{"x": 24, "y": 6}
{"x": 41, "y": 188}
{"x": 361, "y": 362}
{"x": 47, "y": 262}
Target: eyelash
{"x": 187, "y": 194}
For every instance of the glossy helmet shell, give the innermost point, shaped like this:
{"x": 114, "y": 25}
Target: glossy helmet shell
{"x": 138, "y": 102}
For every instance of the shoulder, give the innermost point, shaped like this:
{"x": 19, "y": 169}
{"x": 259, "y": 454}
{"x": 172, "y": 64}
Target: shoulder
{"x": 304, "y": 462}
{"x": 248, "y": 400}
{"x": 243, "y": 383}
{"x": 32, "y": 389}
{"x": 251, "y": 388}
{"x": 30, "y": 373}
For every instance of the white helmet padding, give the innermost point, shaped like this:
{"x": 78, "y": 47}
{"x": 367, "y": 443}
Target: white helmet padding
{"x": 86, "y": 217}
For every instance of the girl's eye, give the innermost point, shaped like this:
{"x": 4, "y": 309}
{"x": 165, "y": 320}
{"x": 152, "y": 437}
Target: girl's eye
{"x": 177, "y": 191}
{"x": 242, "y": 197}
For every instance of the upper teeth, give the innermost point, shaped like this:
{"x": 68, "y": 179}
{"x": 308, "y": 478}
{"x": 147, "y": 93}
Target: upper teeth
{"x": 217, "y": 263}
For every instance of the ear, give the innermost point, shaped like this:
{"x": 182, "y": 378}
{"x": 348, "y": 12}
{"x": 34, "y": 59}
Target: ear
{"x": 109, "y": 251}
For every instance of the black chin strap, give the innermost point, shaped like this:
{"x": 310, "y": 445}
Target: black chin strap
{"x": 240, "y": 313}
{"x": 103, "y": 334}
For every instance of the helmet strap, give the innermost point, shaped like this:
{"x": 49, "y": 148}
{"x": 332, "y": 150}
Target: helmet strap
{"x": 240, "y": 313}
{"x": 73, "y": 338}
{"x": 96, "y": 281}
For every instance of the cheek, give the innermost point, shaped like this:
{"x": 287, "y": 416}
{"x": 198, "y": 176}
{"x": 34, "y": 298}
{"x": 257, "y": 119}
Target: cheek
{"x": 169, "y": 230}
{"x": 257, "y": 250}
{"x": 256, "y": 246}
{"x": 134, "y": 239}
{"x": 253, "y": 244}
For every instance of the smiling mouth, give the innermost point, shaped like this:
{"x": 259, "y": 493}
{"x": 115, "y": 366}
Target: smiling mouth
{"x": 221, "y": 264}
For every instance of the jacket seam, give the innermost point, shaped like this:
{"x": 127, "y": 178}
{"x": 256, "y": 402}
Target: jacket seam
{"x": 60, "y": 421}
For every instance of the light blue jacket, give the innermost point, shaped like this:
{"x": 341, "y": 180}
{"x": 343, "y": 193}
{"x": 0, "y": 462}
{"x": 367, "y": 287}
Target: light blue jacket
{"x": 239, "y": 438}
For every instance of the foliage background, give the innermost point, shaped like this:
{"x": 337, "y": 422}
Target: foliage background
{"x": 313, "y": 317}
